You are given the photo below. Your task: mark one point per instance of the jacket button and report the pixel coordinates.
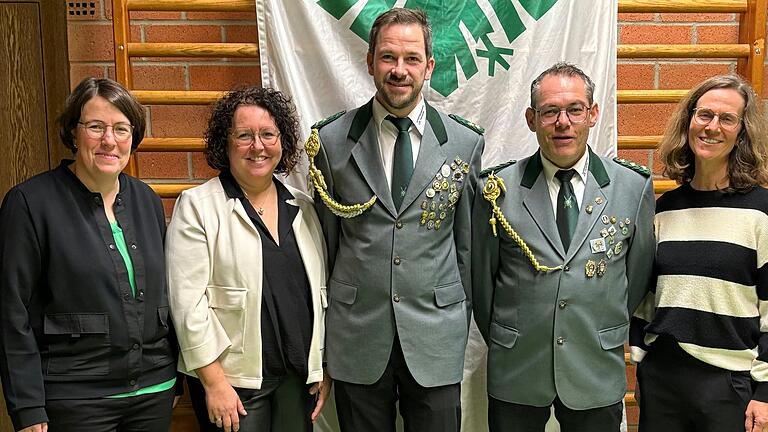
(399, 224)
(111, 246)
(141, 294)
(135, 346)
(97, 200)
(562, 304)
(132, 382)
(566, 268)
(396, 298)
(560, 340)
(133, 246)
(396, 260)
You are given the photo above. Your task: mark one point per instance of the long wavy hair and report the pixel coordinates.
(747, 160)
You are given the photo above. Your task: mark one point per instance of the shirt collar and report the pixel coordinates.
(581, 166)
(418, 115)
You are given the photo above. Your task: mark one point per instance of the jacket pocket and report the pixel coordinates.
(158, 349)
(613, 337)
(504, 336)
(342, 292)
(449, 294)
(228, 304)
(77, 344)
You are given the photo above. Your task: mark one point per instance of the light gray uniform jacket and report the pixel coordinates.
(562, 333)
(392, 275)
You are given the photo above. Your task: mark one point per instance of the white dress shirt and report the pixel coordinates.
(387, 133)
(578, 181)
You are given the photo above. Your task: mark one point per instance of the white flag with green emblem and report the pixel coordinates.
(487, 52)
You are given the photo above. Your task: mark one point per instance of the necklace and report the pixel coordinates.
(259, 207)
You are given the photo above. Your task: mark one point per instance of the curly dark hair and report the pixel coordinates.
(747, 162)
(110, 90)
(279, 107)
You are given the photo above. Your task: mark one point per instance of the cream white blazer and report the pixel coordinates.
(214, 265)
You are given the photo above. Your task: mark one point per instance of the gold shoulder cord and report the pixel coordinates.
(494, 186)
(316, 178)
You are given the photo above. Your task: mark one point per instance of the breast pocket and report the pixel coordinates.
(228, 304)
(77, 344)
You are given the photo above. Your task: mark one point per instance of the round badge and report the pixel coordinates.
(445, 170)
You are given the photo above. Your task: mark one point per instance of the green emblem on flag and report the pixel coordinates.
(449, 44)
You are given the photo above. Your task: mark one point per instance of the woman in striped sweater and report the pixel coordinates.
(701, 338)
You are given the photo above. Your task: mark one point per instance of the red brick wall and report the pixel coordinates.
(91, 53)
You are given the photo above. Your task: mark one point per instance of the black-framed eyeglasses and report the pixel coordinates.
(576, 113)
(704, 116)
(245, 137)
(96, 129)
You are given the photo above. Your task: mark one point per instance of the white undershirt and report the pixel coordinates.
(578, 181)
(387, 133)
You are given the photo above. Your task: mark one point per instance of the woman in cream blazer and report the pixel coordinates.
(246, 271)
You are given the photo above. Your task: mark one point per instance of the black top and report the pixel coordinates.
(286, 306)
(69, 326)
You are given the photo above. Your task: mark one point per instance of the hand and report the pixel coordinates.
(40, 427)
(757, 417)
(224, 405)
(321, 390)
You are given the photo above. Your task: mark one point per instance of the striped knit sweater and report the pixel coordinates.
(711, 293)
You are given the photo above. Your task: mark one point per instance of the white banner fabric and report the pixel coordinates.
(487, 53)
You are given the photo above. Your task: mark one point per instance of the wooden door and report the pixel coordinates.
(34, 81)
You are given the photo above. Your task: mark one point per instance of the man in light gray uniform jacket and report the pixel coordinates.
(556, 274)
(399, 244)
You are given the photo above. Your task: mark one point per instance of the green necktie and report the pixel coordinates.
(402, 165)
(567, 207)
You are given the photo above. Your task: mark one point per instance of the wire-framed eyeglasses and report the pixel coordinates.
(704, 116)
(576, 113)
(96, 129)
(245, 137)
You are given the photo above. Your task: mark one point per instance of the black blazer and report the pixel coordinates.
(69, 324)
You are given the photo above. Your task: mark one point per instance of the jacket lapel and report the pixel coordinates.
(368, 157)
(538, 204)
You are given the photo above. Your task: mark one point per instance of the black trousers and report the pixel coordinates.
(680, 393)
(144, 413)
(281, 405)
(511, 417)
(371, 408)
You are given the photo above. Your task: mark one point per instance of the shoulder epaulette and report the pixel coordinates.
(327, 120)
(641, 169)
(467, 123)
(497, 168)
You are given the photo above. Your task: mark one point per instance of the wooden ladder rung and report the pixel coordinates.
(192, 5)
(682, 6)
(629, 51)
(166, 49)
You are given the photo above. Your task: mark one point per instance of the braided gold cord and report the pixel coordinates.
(492, 190)
(312, 148)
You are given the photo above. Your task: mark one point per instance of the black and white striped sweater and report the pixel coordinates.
(711, 293)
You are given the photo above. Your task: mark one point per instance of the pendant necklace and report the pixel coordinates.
(259, 207)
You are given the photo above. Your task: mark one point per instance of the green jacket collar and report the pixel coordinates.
(534, 168)
(365, 113)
